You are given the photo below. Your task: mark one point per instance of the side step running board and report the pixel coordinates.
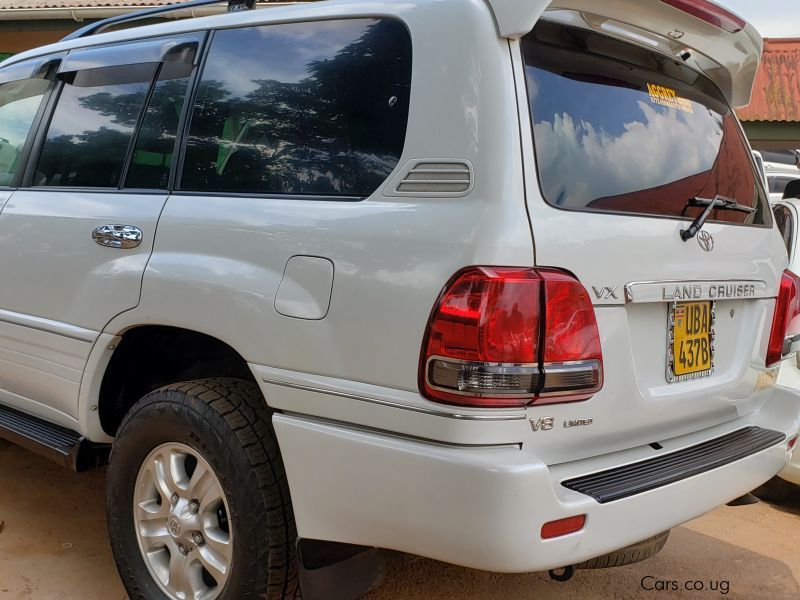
(62, 445)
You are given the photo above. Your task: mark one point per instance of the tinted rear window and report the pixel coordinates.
(624, 130)
(153, 153)
(92, 126)
(309, 108)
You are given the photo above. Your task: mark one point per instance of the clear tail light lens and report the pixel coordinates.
(501, 337)
(710, 13)
(786, 322)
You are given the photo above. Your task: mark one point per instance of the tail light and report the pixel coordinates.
(502, 337)
(786, 322)
(710, 13)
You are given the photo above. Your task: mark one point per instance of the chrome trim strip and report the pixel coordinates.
(521, 416)
(48, 326)
(656, 291)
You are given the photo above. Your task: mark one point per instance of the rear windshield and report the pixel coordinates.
(621, 129)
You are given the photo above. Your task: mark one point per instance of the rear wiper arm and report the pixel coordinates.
(711, 205)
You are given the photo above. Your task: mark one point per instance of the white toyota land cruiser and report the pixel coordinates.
(489, 281)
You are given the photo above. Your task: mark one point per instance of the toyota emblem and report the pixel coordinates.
(706, 241)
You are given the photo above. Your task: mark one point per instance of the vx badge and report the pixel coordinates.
(605, 293)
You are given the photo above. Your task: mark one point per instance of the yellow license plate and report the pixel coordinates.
(691, 340)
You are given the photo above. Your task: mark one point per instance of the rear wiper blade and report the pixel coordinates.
(720, 202)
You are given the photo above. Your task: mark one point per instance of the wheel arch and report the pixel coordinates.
(141, 358)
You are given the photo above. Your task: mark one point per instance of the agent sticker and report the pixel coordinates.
(668, 97)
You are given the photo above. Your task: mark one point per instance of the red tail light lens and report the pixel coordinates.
(710, 13)
(786, 322)
(503, 337)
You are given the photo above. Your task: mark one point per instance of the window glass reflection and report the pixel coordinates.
(91, 129)
(155, 144)
(618, 129)
(19, 103)
(310, 108)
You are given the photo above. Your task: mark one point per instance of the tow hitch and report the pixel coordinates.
(562, 575)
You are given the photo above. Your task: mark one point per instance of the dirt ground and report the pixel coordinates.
(53, 546)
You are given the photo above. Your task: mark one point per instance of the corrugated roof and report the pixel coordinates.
(44, 4)
(31, 4)
(776, 94)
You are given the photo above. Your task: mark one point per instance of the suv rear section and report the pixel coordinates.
(625, 344)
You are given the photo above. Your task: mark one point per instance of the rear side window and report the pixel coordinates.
(92, 126)
(310, 108)
(619, 129)
(155, 143)
(19, 103)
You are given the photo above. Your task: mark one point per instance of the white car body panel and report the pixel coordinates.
(790, 378)
(789, 375)
(392, 468)
(483, 507)
(66, 287)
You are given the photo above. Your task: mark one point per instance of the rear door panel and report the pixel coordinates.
(62, 283)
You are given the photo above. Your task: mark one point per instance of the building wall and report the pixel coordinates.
(18, 36)
(12, 42)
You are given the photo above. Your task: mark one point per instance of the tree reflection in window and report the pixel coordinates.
(311, 108)
(621, 129)
(88, 137)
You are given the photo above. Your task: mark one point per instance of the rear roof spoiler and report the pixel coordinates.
(730, 60)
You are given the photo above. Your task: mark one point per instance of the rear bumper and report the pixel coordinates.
(483, 507)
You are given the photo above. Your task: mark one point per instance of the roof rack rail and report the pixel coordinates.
(100, 26)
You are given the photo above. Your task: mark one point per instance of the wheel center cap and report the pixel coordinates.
(174, 526)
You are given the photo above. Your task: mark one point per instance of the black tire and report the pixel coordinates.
(627, 556)
(228, 423)
(775, 490)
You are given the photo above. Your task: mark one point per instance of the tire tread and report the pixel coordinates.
(234, 411)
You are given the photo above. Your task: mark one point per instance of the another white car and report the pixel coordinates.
(488, 281)
(787, 215)
(778, 183)
(781, 169)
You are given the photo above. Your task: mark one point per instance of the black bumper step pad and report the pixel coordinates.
(629, 480)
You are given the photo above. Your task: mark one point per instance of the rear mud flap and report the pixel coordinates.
(333, 571)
